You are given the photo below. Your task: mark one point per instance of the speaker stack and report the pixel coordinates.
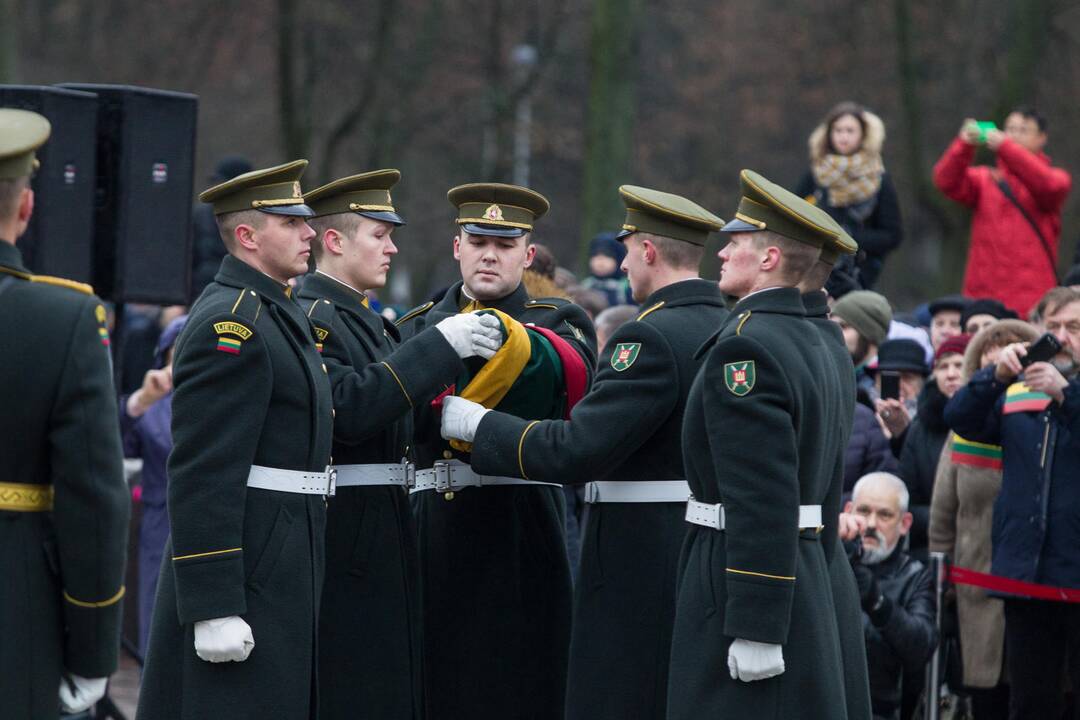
(145, 174)
(60, 237)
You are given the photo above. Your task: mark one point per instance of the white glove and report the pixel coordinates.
(460, 418)
(749, 660)
(78, 693)
(472, 334)
(227, 639)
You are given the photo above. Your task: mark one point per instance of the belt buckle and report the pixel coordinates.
(410, 474)
(441, 469)
(331, 481)
(592, 494)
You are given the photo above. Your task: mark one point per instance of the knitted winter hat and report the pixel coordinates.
(866, 311)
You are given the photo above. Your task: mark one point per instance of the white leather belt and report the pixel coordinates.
(305, 482)
(451, 475)
(712, 515)
(645, 491)
(402, 474)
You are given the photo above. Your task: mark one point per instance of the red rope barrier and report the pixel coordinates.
(963, 576)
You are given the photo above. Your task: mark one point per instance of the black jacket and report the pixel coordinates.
(901, 635)
(878, 233)
(919, 459)
(867, 449)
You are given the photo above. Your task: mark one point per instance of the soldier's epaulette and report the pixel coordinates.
(414, 312)
(651, 309)
(321, 314)
(247, 305)
(743, 317)
(546, 303)
(63, 282)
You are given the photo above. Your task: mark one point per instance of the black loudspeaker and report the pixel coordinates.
(145, 173)
(60, 237)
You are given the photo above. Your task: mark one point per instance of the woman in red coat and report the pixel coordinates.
(1008, 259)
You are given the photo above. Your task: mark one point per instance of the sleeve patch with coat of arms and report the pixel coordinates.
(624, 355)
(740, 377)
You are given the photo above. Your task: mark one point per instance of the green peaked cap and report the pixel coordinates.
(767, 206)
(497, 208)
(21, 133)
(274, 190)
(665, 214)
(367, 193)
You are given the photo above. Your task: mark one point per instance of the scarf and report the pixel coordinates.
(850, 179)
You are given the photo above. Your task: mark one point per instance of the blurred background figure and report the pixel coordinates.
(206, 246)
(1016, 207)
(610, 320)
(961, 512)
(896, 594)
(605, 272)
(847, 179)
(146, 422)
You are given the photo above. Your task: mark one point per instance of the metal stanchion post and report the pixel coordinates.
(933, 668)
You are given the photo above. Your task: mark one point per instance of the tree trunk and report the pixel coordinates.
(610, 121)
(928, 201)
(292, 104)
(9, 36)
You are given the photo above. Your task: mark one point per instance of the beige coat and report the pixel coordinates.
(961, 519)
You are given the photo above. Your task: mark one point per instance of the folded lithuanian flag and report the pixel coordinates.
(536, 375)
(975, 454)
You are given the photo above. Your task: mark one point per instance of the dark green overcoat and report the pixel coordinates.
(250, 388)
(370, 636)
(755, 438)
(494, 570)
(628, 428)
(845, 592)
(62, 571)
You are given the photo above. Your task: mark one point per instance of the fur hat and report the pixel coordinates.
(1025, 332)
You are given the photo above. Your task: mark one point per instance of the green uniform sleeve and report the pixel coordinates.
(755, 455)
(368, 398)
(91, 505)
(220, 399)
(615, 417)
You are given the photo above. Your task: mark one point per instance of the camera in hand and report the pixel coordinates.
(1042, 350)
(890, 385)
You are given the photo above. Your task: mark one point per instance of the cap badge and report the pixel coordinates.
(297, 192)
(740, 377)
(494, 212)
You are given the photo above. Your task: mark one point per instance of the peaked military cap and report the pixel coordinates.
(366, 194)
(661, 213)
(273, 190)
(767, 206)
(21, 133)
(497, 209)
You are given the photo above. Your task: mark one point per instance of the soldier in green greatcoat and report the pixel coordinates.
(370, 625)
(623, 442)
(234, 627)
(755, 625)
(494, 570)
(840, 388)
(64, 505)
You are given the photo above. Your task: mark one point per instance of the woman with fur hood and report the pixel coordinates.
(961, 515)
(847, 179)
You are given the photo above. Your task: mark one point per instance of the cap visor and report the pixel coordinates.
(299, 210)
(384, 216)
(736, 225)
(624, 233)
(495, 230)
